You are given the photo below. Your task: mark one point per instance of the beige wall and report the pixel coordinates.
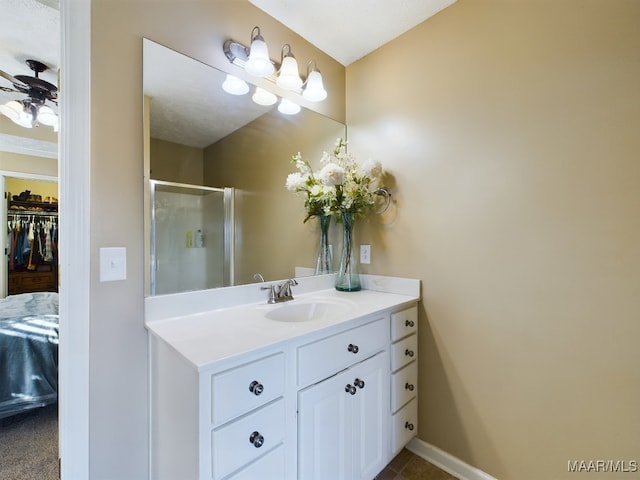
(173, 162)
(118, 443)
(16, 162)
(514, 148)
(271, 237)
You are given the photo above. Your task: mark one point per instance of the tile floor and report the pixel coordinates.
(408, 466)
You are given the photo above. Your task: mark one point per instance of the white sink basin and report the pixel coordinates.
(307, 311)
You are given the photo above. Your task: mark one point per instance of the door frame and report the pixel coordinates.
(74, 174)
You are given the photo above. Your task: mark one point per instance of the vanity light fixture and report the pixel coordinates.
(235, 86)
(259, 63)
(255, 60)
(288, 76)
(314, 89)
(264, 97)
(288, 107)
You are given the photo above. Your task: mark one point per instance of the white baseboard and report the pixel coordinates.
(446, 462)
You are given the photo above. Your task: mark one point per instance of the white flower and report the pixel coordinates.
(296, 181)
(331, 174)
(372, 168)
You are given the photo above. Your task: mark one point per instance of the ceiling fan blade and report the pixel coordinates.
(17, 83)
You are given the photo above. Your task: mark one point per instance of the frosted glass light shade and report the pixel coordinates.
(264, 97)
(12, 110)
(289, 78)
(47, 116)
(234, 85)
(288, 107)
(259, 63)
(314, 91)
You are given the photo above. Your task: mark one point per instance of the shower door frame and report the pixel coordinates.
(228, 226)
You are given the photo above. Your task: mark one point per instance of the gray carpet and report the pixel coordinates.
(29, 445)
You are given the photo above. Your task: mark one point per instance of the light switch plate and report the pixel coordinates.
(365, 254)
(113, 264)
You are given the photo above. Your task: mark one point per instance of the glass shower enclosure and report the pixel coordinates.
(192, 229)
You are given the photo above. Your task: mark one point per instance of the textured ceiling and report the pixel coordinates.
(349, 30)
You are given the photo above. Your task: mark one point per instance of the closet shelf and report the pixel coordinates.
(20, 207)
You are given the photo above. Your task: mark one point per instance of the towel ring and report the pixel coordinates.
(382, 191)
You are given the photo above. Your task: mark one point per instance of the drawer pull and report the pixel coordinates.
(256, 439)
(358, 383)
(409, 386)
(353, 348)
(350, 389)
(409, 323)
(408, 426)
(408, 353)
(256, 387)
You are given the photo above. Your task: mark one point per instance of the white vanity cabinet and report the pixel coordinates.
(334, 400)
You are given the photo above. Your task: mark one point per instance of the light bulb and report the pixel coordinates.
(259, 62)
(234, 85)
(314, 90)
(264, 97)
(289, 78)
(288, 107)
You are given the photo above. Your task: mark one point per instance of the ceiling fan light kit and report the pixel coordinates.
(32, 110)
(255, 60)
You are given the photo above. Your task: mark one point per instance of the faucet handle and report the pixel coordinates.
(272, 292)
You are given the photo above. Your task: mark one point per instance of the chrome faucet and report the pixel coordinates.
(280, 293)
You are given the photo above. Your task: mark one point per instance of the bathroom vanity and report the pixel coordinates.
(320, 387)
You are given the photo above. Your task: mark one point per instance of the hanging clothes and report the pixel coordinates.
(32, 241)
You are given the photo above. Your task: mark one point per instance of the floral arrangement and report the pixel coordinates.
(341, 185)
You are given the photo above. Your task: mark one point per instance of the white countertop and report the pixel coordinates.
(207, 337)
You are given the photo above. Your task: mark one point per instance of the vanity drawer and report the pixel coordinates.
(404, 322)
(325, 357)
(241, 389)
(404, 385)
(403, 352)
(404, 426)
(248, 438)
(272, 465)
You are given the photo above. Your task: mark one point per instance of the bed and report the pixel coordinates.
(28, 352)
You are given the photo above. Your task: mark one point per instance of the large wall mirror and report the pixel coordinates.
(201, 136)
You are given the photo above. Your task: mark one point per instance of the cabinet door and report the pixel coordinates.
(370, 417)
(343, 424)
(324, 436)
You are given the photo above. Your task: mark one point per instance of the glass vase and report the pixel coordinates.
(324, 260)
(348, 278)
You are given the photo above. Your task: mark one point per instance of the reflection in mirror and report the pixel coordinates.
(202, 136)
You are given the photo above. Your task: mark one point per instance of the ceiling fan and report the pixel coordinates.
(32, 110)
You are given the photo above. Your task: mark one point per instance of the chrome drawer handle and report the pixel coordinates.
(256, 387)
(350, 389)
(409, 323)
(408, 353)
(353, 348)
(409, 386)
(256, 439)
(358, 383)
(409, 426)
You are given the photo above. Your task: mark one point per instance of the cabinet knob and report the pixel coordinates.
(353, 348)
(350, 389)
(409, 323)
(256, 387)
(408, 353)
(358, 383)
(408, 426)
(409, 386)
(256, 439)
